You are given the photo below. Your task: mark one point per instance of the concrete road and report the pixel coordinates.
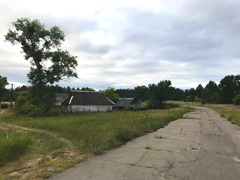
(200, 146)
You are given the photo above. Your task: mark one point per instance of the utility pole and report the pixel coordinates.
(11, 98)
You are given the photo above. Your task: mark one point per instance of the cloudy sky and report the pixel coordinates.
(126, 43)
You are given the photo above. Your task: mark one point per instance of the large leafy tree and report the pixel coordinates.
(42, 48)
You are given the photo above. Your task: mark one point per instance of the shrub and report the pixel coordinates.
(236, 100)
(56, 111)
(12, 146)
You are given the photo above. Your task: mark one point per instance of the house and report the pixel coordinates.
(59, 98)
(86, 101)
(129, 103)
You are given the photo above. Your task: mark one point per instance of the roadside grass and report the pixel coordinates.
(61, 142)
(13, 145)
(97, 132)
(230, 112)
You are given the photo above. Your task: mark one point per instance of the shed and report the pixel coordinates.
(131, 103)
(86, 101)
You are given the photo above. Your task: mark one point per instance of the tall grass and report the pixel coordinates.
(99, 131)
(230, 112)
(12, 146)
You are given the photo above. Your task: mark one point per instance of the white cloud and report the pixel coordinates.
(128, 43)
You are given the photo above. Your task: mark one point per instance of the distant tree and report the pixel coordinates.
(236, 100)
(159, 93)
(3, 83)
(229, 87)
(111, 94)
(125, 93)
(199, 91)
(176, 94)
(87, 89)
(49, 63)
(141, 93)
(211, 93)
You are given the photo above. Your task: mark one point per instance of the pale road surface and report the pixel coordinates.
(200, 146)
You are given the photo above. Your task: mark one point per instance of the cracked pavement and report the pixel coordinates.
(202, 146)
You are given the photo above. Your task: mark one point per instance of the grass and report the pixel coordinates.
(230, 112)
(99, 131)
(12, 146)
(60, 142)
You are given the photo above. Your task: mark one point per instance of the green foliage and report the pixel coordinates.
(236, 100)
(158, 93)
(3, 83)
(211, 93)
(189, 98)
(56, 111)
(12, 146)
(229, 88)
(111, 94)
(87, 89)
(141, 93)
(49, 63)
(40, 46)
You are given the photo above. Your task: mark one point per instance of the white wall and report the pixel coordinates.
(86, 108)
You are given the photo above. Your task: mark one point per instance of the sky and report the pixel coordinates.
(129, 43)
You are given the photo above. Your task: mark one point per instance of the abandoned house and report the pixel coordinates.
(86, 101)
(128, 103)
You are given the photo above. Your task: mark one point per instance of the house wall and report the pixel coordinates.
(86, 108)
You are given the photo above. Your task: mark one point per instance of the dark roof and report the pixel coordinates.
(60, 97)
(87, 98)
(126, 102)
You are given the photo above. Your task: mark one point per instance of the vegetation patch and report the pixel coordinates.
(13, 145)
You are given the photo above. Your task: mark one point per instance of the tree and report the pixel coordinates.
(111, 94)
(3, 83)
(211, 93)
(159, 93)
(199, 91)
(229, 87)
(141, 93)
(236, 100)
(49, 63)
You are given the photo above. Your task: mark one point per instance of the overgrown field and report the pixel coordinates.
(78, 136)
(99, 131)
(230, 112)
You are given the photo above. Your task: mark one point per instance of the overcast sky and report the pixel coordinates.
(126, 43)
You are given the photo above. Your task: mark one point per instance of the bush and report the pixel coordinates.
(12, 146)
(54, 112)
(236, 100)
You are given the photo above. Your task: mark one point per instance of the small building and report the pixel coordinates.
(86, 101)
(60, 97)
(128, 103)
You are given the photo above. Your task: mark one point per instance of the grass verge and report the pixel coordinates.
(230, 112)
